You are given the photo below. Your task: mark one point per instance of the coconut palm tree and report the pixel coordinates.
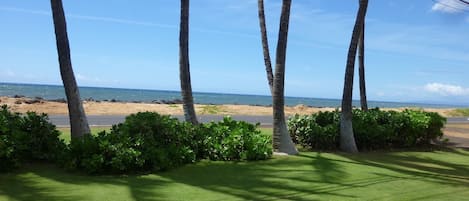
(347, 140)
(265, 45)
(78, 122)
(184, 70)
(282, 140)
(361, 69)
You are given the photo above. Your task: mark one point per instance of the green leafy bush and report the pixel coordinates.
(26, 138)
(146, 141)
(373, 129)
(43, 142)
(9, 128)
(106, 153)
(164, 141)
(230, 140)
(315, 131)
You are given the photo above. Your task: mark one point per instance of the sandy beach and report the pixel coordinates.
(24, 104)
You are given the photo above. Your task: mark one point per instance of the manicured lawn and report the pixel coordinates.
(416, 175)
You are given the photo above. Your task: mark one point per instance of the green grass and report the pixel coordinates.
(66, 131)
(211, 109)
(417, 175)
(266, 131)
(414, 175)
(460, 112)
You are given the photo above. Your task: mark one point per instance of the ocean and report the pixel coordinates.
(50, 92)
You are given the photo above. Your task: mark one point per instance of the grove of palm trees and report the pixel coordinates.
(187, 149)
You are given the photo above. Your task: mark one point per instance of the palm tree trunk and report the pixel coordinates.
(78, 122)
(184, 70)
(347, 140)
(361, 69)
(282, 140)
(265, 45)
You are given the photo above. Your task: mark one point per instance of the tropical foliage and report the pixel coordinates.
(27, 137)
(146, 141)
(373, 129)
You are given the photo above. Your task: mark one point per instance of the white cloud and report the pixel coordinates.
(446, 89)
(7, 73)
(84, 78)
(81, 77)
(10, 73)
(449, 6)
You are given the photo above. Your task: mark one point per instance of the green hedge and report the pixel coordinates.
(235, 140)
(148, 141)
(27, 137)
(373, 129)
(144, 142)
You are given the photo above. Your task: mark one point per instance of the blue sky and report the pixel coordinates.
(415, 50)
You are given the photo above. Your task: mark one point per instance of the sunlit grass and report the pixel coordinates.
(210, 109)
(460, 112)
(266, 131)
(65, 131)
(432, 175)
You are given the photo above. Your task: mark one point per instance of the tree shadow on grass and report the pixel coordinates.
(305, 177)
(413, 166)
(275, 179)
(309, 176)
(23, 185)
(49, 183)
(267, 180)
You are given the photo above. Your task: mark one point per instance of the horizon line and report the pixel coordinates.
(205, 92)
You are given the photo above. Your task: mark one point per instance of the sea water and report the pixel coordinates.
(50, 92)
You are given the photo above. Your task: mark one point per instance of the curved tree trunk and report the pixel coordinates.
(184, 70)
(265, 45)
(78, 122)
(282, 140)
(347, 140)
(361, 69)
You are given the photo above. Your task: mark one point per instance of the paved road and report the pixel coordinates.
(455, 120)
(99, 120)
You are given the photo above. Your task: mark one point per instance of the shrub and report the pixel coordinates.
(42, 138)
(106, 152)
(27, 137)
(230, 140)
(164, 141)
(145, 141)
(9, 128)
(319, 131)
(148, 141)
(373, 129)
